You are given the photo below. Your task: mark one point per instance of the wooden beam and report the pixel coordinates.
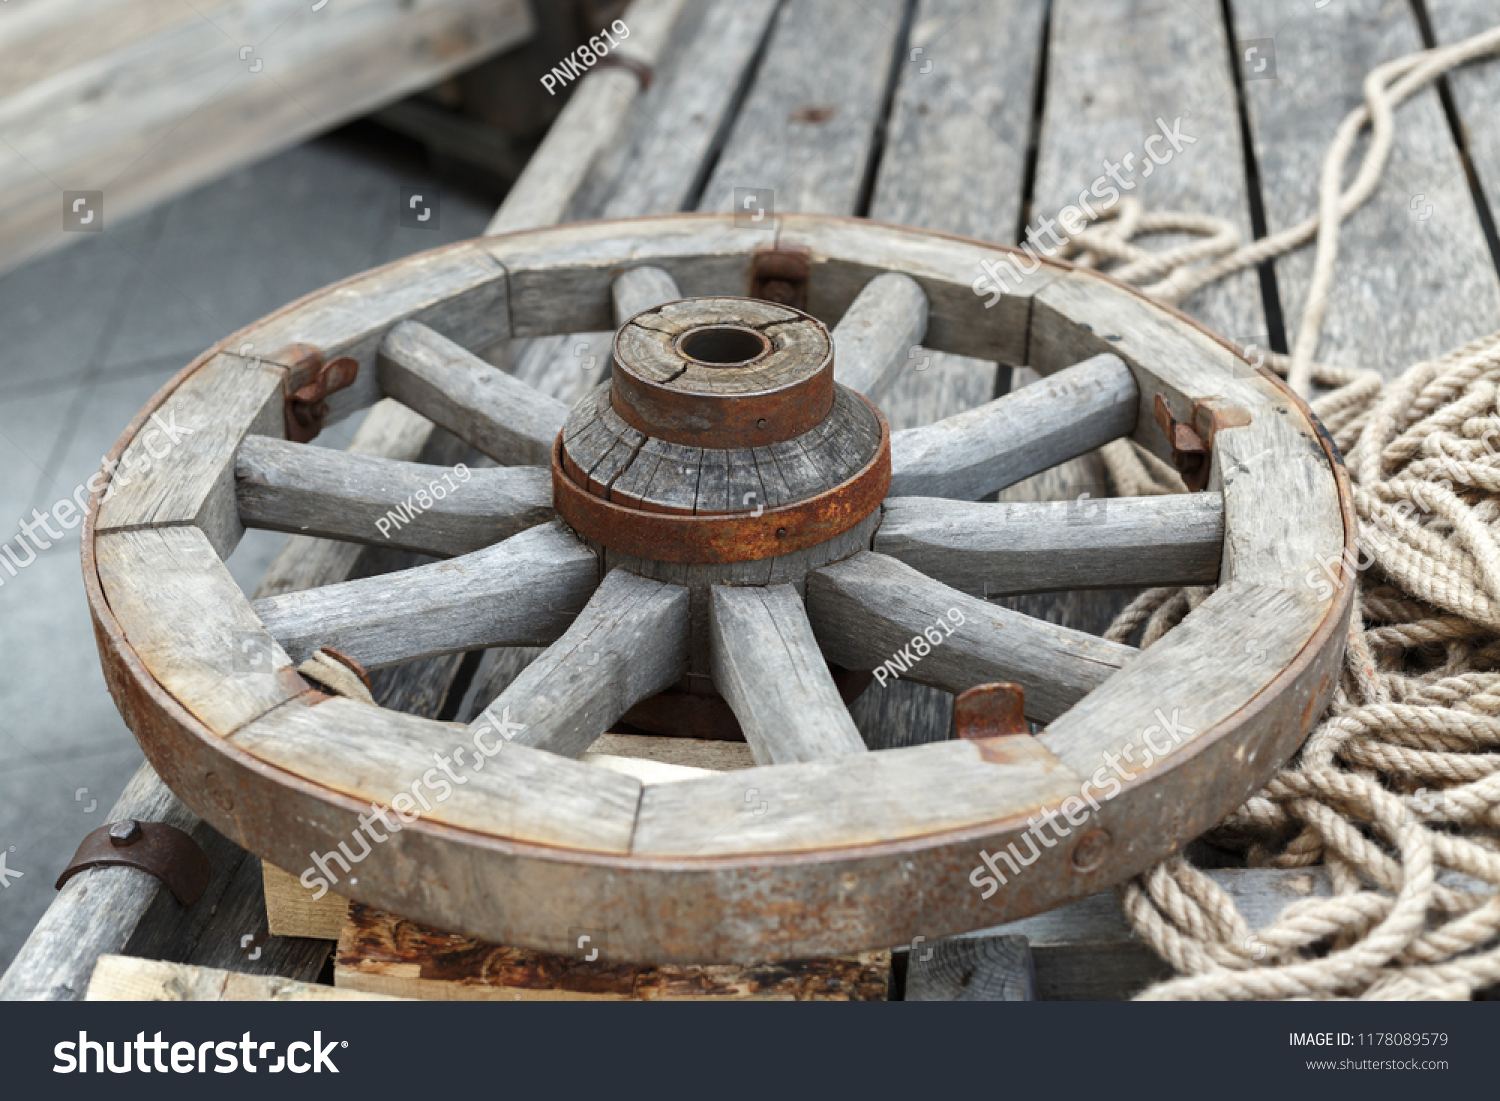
(297, 488)
(976, 452)
(1045, 546)
(522, 592)
(766, 663)
(628, 642)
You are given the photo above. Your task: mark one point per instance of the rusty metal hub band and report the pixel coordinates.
(722, 372)
(732, 537)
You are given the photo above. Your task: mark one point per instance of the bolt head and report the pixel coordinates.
(1089, 853)
(127, 832)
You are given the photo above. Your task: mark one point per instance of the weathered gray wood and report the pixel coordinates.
(879, 334)
(126, 979)
(766, 663)
(588, 126)
(1193, 678)
(979, 451)
(1476, 89)
(313, 490)
(459, 291)
(629, 642)
(869, 610)
(1282, 524)
(1115, 68)
(807, 128)
(371, 754)
(1444, 291)
(1044, 546)
(642, 289)
(391, 431)
(192, 626)
(190, 480)
(506, 419)
(522, 592)
(97, 911)
(955, 160)
(154, 100)
(849, 800)
(971, 969)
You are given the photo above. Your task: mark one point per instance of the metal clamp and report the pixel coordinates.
(780, 275)
(309, 381)
(153, 847)
(991, 711)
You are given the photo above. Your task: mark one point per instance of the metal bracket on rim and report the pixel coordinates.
(309, 381)
(780, 275)
(153, 847)
(1192, 444)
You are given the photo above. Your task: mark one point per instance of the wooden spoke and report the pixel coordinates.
(641, 289)
(875, 337)
(522, 592)
(970, 454)
(767, 665)
(1047, 546)
(308, 490)
(482, 405)
(869, 612)
(629, 642)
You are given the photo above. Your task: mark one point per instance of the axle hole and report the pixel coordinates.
(723, 345)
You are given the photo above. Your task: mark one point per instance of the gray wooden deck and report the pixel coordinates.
(983, 117)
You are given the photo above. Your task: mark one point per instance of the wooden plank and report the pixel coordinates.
(1044, 546)
(199, 428)
(386, 757)
(877, 335)
(381, 952)
(692, 752)
(522, 592)
(628, 642)
(807, 128)
(126, 979)
(1475, 89)
(1198, 675)
(339, 495)
(872, 612)
(160, 101)
(1382, 312)
(851, 800)
(766, 663)
(1117, 74)
(971, 969)
(192, 626)
(293, 911)
(589, 125)
(507, 420)
(973, 453)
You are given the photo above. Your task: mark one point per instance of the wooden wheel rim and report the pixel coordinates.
(803, 881)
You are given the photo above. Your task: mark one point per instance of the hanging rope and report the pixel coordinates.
(1401, 781)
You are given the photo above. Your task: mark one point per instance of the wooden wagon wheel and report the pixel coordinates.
(727, 527)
